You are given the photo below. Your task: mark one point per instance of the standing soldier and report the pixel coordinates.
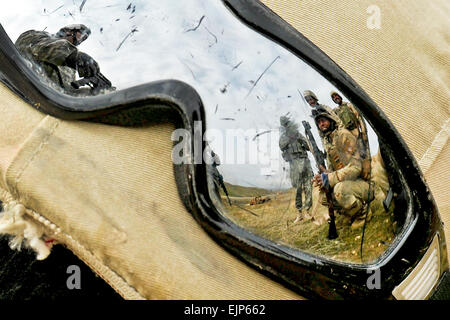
(294, 149)
(353, 122)
(57, 54)
(349, 189)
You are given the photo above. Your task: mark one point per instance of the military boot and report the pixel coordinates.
(306, 215)
(299, 216)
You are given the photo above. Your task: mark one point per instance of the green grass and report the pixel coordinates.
(241, 191)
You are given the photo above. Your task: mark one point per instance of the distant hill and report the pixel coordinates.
(241, 191)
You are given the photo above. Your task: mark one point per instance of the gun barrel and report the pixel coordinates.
(318, 155)
(80, 83)
(320, 161)
(96, 82)
(104, 79)
(332, 231)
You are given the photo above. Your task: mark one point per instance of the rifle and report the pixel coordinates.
(319, 156)
(320, 162)
(222, 185)
(96, 82)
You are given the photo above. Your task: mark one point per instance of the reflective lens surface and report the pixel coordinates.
(289, 157)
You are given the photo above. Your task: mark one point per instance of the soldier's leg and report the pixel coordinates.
(307, 187)
(319, 212)
(298, 198)
(307, 201)
(298, 204)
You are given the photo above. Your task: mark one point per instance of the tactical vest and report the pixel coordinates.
(347, 117)
(340, 155)
(335, 159)
(296, 150)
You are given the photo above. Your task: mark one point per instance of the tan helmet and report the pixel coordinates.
(332, 93)
(334, 119)
(309, 93)
(323, 114)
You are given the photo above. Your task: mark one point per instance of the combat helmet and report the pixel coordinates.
(72, 29)
(332, 93)
(308, 93)
(284, 120)
(334, 120)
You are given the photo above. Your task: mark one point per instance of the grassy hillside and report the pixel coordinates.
(241, 191)
(273, 220)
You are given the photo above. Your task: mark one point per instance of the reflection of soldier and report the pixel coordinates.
(317, 108)
(294, 149)
(353, 122)
(57, 54)
(217, 177)
(350, 191)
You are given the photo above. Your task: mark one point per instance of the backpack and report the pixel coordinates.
(347, 117)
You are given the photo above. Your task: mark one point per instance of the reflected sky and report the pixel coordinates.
(245, 81)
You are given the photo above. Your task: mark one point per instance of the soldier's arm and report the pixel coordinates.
(283, 143)
(304, 142)
(361, 124)
(349, 150)
(54, 51)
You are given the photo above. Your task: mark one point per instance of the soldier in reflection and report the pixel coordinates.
(350, 190)
(353, 122)
(294, 147)
(317, 108)
(217, 178)
(57, 54)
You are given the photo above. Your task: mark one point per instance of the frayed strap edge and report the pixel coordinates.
(26, 232)
(16, 217)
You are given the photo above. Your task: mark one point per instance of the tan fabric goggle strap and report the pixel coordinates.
(28, 228)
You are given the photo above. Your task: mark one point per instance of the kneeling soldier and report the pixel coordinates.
(344, 175)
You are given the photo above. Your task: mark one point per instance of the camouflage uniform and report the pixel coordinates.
(48, 52)
(352, 121)
(350, 191)
(294, 149)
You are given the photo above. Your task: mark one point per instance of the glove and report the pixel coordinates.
(325, 181)
(86, 66)
(83, 63)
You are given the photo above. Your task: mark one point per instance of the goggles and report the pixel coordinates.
(238, 69)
